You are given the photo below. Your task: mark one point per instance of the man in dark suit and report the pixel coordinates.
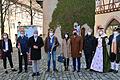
(35, 43)
(22, 50)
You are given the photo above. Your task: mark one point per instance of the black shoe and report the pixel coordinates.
(6, 72)
(26, 71)
(111, 70)
(74, 70)
(65, 69)
(78, 71)
(38, 74)
(115, 71)
(47, 70)
(55, 70)
(34, 74)
(14, 70)
(86, 68)
(19, 72)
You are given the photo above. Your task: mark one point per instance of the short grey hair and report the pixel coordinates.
(36, 31)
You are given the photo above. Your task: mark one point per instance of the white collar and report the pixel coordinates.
(103, 35)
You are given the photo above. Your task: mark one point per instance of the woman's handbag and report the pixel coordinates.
(61, 58)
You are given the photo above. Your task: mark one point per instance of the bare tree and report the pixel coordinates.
(4, 6)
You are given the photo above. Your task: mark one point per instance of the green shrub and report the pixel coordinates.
(70, 11)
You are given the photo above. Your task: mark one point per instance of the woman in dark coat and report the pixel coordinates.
(7, 50)
(35, 43)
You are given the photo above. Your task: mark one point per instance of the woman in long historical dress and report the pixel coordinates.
(101, 62)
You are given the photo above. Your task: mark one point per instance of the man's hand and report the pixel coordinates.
(80, 52)
(4, 50)
(36, 47)
(19, 47)
(27, 53)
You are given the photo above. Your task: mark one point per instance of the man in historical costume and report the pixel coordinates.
(101, 62)
(76, 49)
(89, 48)
(114, 42)
(51, 43)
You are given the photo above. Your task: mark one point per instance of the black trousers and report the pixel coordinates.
(115, 57)
(9, 56)
(88, 59)
(21, 57)
(78, 62)
(66, 62)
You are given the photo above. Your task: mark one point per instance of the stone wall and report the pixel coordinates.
(48, 8)
(105, 19)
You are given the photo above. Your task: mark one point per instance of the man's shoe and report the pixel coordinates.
(55, 70)
(111, 70)
(6, 72)
(34, 74)
(47, 70)
(38, 74)
(115, 71)
(86, 68)
(19, 72)
(74, 70)
(65, 69)
(26, 71)
(78, 71)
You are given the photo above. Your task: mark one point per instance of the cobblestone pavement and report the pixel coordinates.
(61, 75)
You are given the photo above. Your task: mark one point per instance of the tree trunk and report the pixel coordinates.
(31, 14)
(2, 21)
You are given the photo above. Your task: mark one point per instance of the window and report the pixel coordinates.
(98, 3)
(117, 0)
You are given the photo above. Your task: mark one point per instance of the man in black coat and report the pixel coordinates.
(35, 43)
(89, 48)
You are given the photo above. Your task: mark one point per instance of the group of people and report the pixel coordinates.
(95, 50)
(102, 53)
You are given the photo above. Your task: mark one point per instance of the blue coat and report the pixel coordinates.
(23, 43)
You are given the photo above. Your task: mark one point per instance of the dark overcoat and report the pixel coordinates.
(35, 53)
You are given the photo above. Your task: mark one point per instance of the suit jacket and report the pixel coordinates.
(10, 49)
(35, 53)
(89, 44)
(23, 43)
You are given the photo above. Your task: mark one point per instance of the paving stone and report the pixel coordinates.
(61, 75)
